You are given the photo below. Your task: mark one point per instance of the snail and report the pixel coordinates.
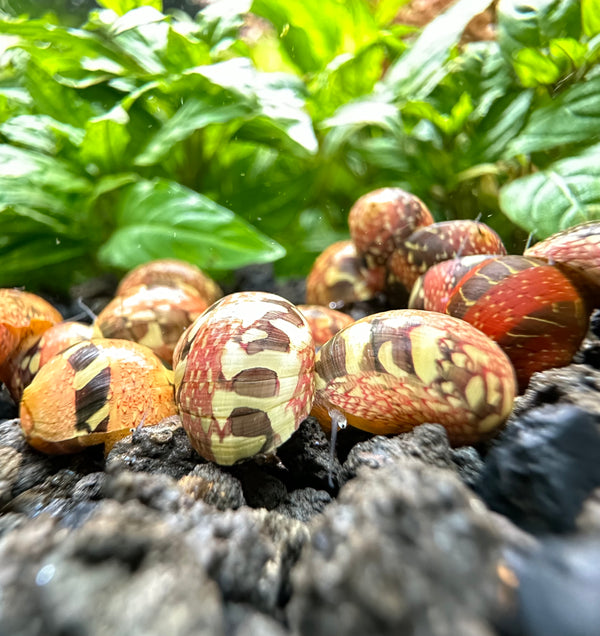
(338, 278)
(22, 314)
(439, 242)
(172, 273)
(537, 311)
(95, 392)
(35, 351)
(244, 376)
(324, 322)
(393, 370)
(154, 316)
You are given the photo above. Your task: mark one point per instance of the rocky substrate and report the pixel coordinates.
(400, 535)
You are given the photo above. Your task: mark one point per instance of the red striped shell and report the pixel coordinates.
(244, 376)
(393, 370)
(324, 322)
(534, 310)
(439, 242)
(95, 392)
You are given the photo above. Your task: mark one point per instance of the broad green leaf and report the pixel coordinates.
(590, 17)
(196, 113)
(534, 68)
(448, 124)
(535, 22)
(164, 219)
(420, 69)
(40, 132)
(566, 193)
(222, 19)
(123, 6)
(106, 140)
(387, 10)
(572, 117)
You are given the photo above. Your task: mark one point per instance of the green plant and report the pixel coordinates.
(139, 135)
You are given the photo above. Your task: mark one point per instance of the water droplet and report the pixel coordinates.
(45, 574)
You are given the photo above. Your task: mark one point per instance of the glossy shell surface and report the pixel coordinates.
(324, 322)
(22, 314)
(533, 309)
(338, 277)
(391, 371)
(154, 316)
(244, 376)
(95, 392)
(35, 351)
(172, 273)
(439, 242)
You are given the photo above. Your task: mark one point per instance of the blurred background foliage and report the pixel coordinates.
(241, 131)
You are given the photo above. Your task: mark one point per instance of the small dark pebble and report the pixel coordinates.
(212, 485)
(543, 467)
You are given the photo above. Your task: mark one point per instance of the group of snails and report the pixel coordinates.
(243, 371)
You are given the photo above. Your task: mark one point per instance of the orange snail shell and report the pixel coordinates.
(244, 376)
(324, 322)
(391, 371)
(95, 392)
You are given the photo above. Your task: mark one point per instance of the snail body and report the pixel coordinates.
(244, 376)
(391, 371)
(95, 392)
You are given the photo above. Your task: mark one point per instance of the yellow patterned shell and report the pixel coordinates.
(244, 376)
(393, 370)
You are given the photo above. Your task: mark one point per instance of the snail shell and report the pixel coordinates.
(244, 376)
(95, 392)
(324, 322)
(393, 370)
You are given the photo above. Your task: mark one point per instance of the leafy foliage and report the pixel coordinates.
(247, 132)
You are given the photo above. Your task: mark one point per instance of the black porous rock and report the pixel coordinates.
(164, 448)
(124, 572)
(209, 483)
(8, 409)
(543, 467)
(406, 549)
(243, 620)
(555, 590)
(588, 522)
(304, 503)
(307, 457)
(469, 464)
(577, 384)
(261, 488)
(428, 443)
(248, 552)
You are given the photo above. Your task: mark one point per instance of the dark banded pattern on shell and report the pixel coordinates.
(432, 289)
(21, 315)
(393, 370)
(95, 392)
(35, 351)
(171, 272)
(338, 277)
(533, 309)
(244, 376)
(324, 322)
(439, 242)
(154, 316)
(579, 247)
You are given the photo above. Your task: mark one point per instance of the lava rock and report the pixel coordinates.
(261, 489)
(555, 590)
(157, 491)
(305, 503)
(588, 521)
(8, 409)
(405, 549)
(427, 443)
(543, 467)
(469, 464)
(307, 457)
(164, 448)
(209, 483)
(124, 572)
(244, 620)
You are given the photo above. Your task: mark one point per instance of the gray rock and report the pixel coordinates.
(123, 573)
(406, 549)
(261, 488)
(469, 464)
(163, 448)
(428, 443)
(305, 503)
(244, 620)
(209, 483)
(157, 491)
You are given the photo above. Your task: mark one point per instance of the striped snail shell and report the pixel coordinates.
(244, 376)
(171, 272)
(95, 392)
(22, 314)
(391, 371)
(324, 322)
(536, 311)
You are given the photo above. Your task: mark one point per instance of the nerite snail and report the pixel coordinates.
(391, 371)
(244, 376)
